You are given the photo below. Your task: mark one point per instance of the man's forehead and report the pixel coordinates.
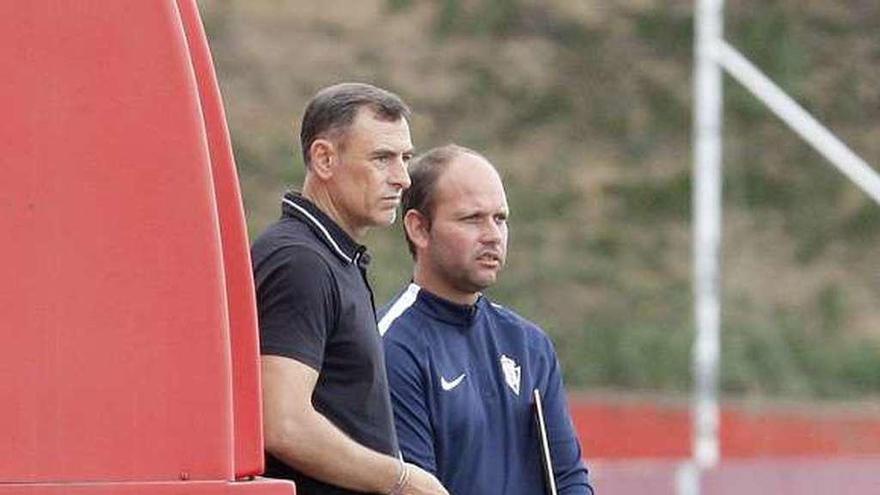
(477, 206)
(381, 132)
(473, 188)
(367, 116)
(472, 171)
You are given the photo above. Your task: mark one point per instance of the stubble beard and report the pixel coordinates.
(470, 282)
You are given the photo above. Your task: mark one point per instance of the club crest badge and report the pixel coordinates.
(511, 372)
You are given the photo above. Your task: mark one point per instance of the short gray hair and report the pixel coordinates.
(332, 110)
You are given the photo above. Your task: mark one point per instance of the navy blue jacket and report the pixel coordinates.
(461, 380)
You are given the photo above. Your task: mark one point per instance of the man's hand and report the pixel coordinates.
(304, 439)
(422, 482)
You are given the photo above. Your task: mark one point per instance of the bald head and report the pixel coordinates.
(455, 220)
(425, 173)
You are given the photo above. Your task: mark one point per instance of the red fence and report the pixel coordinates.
(636, 446)
(615, 428)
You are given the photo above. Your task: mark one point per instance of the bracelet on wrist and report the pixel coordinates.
(402, 479)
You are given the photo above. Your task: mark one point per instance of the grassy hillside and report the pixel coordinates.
(585, 107)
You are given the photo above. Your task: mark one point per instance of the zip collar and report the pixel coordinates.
(442, 309)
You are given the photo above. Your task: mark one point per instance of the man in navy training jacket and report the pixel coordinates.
(326, 410)
(461, 368)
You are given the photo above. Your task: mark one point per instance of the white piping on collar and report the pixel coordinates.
(400, 305)
(320, 227)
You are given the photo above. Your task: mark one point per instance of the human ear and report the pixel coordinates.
(417, 228)
(323, 158)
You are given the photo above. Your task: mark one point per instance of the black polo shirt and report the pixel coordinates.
(316, 306)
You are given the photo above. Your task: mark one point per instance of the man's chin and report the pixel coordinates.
(385, 220)
(483, 283)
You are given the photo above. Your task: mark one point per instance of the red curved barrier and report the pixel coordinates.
(114, 325)
(236, 256)
(129, 361)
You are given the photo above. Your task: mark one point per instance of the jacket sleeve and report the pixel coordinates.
(565, 450)
(409, 398)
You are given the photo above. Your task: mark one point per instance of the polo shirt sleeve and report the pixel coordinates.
(296, 305)
(568, 466)
(412, 420)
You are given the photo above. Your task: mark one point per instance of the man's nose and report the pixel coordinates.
(399, 175)
(492, 232)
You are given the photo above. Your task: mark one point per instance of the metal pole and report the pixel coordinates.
(800, 121)
(706, 203)
(712, 54)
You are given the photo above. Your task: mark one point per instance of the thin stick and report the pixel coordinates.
(546, 462)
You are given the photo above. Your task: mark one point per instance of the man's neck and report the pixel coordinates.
(322, 198)
(425, 280)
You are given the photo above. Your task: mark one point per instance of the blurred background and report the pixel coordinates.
(585, 107)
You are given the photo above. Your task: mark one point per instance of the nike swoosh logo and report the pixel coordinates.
(449, 385)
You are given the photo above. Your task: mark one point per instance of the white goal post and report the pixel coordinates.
(713, 56)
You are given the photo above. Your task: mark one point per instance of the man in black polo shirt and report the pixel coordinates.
(326, 410)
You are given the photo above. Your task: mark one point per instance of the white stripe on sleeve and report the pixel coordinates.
(400, 305)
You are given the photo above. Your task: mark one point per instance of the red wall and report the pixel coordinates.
(615, 428)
